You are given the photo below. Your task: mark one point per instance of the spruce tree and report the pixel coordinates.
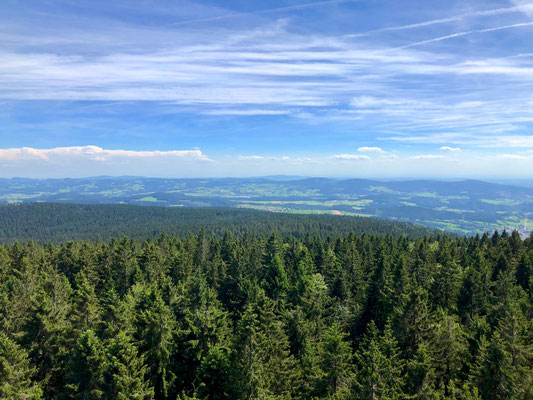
(127, 372)
(379, 366)
(16, 373)
(85, 311)
(155, 326)
(86, 368)
(263, 359)
(448, 350)
(336, 363)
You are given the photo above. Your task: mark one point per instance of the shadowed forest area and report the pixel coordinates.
(45, 222)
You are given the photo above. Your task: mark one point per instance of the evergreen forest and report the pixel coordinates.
(56, 222)
(207, 316)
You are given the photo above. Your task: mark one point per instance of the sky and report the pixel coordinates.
(340, 88)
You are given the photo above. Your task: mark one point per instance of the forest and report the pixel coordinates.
(207, 316)
(44, 222)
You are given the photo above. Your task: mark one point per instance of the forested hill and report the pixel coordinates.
(211, 318)
(49, 222)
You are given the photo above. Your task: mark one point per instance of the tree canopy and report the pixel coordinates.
(211, 316)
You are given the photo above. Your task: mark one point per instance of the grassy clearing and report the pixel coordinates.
(500, 202)
(426, 194)
(151, 199)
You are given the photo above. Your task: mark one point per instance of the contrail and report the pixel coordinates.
(455, 18)
(465, 33)
(265, 11)
(506, 27)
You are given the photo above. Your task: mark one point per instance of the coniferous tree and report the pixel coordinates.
(276, 280)
(420, 378)
(336, 363)
(16, 373)
(215, 374)
(127, 371)
(524, 271)
(448, 350)
(155, 326)
(86, 368)
(267, 368)
(493, 374)
(240, 317)
(85, 310)
(379, 366)
(446, 281)
(47, 332)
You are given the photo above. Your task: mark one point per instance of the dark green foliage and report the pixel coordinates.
(16, 372)
(379, 365)
(127, 371)
(336, 363)
(274, 316)
(86, 368)
(52, 222)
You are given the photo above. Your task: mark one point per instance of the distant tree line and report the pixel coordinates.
(242, 317)
(54, 222)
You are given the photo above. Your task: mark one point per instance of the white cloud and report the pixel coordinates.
(525, 6)
(370, 102)
(370, 150)
(251, 158)
(427, 157)
(350, 157)
(487, 137)
(233, 15)
(270, 69)
(93, 153)
(269, 159)
(242, 67)
(246, 112)
(450, 149)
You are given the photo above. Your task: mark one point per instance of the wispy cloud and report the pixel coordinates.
(450, 149)
(244, 69)
(367, 149)
(245, 112)
(242, 158)
(281, 79)
(427, 157)
(269, 159)
(262, 11)
(350, 157)
(482, 140)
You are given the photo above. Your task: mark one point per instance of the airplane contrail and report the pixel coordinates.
(455, 18)
(264, 11)
(465, 33)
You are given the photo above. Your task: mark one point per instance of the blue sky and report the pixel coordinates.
(381, 89)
